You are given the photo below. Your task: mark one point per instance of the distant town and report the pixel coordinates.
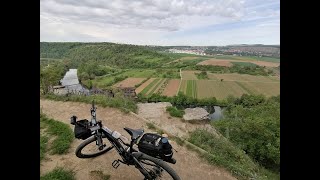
(236, 50)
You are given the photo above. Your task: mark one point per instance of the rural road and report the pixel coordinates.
(189, 165)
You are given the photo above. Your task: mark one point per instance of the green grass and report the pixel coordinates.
(62, 133)
(245, 64)
(146, 89)
(43, 146)
(195, 89)
(189, 88)
(122, 103)
(173, 111)
(139, 73)
(59, 174)
(100, 175)
(224, 153)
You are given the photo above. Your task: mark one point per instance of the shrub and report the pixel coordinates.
(173, 111)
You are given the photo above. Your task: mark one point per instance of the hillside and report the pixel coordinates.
(117, 55)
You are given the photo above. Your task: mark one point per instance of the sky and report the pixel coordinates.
(161, 22)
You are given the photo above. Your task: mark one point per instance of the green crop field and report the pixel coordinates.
(232, 84)
(156, 86)
(183, 86)
(189, 87)
(146, 89)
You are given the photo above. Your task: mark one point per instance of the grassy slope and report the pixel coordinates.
(62, 133)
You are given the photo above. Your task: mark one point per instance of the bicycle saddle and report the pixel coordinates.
(134, 133)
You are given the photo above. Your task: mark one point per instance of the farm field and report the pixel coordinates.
(249, 58)
(215, 62)
(153, 85)
(156, 87)
(144, 85)
(219, 90)
(189, 75)
(229, 62)
(149, 86)
(268, 89)
(129, 82)
(172, 88)
(191, 88)
(242, 77)
(183, 86)
(233, 84)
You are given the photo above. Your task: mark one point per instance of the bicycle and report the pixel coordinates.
(151, 167)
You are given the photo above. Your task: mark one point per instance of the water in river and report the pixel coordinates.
(71, 82)
(216, 114)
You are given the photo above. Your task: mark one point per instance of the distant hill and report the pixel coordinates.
(119, 55)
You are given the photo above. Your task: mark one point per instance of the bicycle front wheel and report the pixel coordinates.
(89, 149)
(157, 168)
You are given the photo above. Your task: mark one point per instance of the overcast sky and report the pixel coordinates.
(161, 22)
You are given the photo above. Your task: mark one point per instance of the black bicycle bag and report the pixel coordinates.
(156, 146)
(81, 129)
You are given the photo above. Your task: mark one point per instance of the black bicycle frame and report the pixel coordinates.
(129, 157)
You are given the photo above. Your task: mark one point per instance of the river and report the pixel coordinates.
(71, 82)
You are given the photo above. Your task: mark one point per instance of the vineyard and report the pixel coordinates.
(219, 86)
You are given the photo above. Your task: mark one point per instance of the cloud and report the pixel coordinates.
(143, 21)
(152, 14)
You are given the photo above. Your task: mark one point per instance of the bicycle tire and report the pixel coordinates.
(91, 139)
(160, 163)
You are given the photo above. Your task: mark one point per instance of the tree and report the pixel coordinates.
(48, 78)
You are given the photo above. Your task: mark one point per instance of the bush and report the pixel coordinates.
(223, 153)
(202, 75)
(253, 124)
(173, 111)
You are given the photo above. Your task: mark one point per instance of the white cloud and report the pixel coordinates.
(137, 22)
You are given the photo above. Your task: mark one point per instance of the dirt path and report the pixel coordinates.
(156, 113)
(188, 166)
